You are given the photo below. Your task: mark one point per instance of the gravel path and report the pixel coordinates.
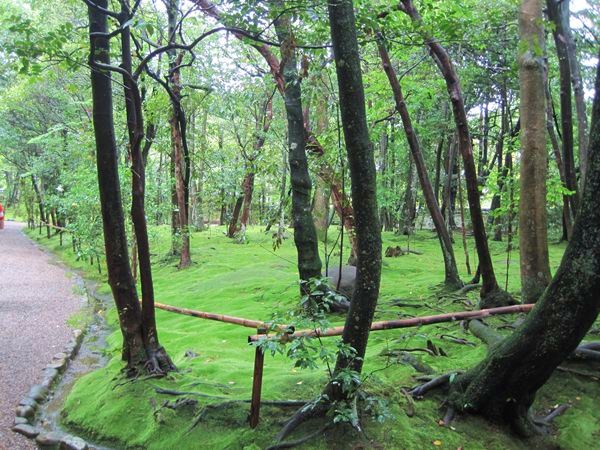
(36, 299)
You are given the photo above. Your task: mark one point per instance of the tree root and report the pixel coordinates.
(487, 334)
(496, 298)
(586, 354)
(309, 411)
(547, 420)
(437, 382)
(302, 440)
(449, 416)
(590, 346)
(467, 288)
(581, 373)
(455, 340)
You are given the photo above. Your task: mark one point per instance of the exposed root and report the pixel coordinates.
(410, 408)
(442, 380)
(590, 346)
(455, 340)
(581, 373)
(309, 411)
(302, 440)
(280, 403)
(546, 421)
(487, 334)
(467, 288)
(134, 379)
(496, 298)
(586, 354)
(449, 416)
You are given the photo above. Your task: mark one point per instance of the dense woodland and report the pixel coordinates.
(176, 145)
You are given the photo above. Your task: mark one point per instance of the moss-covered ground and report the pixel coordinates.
(251, 281)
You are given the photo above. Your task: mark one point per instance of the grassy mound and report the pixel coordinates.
(252, 281)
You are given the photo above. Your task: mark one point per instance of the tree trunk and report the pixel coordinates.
(248, 190)
(491, 294)
(157, 360)
(409, 202)
(533, 226)
(178, 123)
(119, 271)
(556, 13)
(320, 208)
(559, 14)
(567, 218)
(503, 386)
(364, 187)
(451, 271)
(305, 234)
(235, 216)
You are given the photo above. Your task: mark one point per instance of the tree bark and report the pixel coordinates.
(320, 208)
(559, 14)
(115, 240)
(452, 278)
(567, 219)
(491, 294)
(556, 13)
(305, 234)
(362, 173)
(533, 224)
(179, 151)
(503, 386)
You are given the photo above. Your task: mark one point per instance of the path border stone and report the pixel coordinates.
(25, 413)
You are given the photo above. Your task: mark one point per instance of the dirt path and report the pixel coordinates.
(36, 299)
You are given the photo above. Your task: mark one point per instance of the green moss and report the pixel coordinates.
(253, 282)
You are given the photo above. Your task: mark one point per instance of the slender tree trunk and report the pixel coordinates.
(451, 271)
(556, 14)
(438, 168)
(496, 219)
(503, 386)
(248, 190)
(558, 11)
(362, 173)
(491, 294)
(533, 224)
(235, 216)
(409, 202)
(115, 240)
(157, 360)
(567, 218)
(179, 151)
(305, 235)
(320, 207)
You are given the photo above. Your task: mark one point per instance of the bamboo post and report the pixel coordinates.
(259, 361)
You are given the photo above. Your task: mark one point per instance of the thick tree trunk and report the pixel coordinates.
(362, 173)
(533, 226)
(305, 234)
(451, 271)
(503, 386)
(491, 294)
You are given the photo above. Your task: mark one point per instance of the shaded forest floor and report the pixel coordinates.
(251, 281)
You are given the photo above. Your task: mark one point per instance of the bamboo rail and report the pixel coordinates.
(256, 324)
(405, 323)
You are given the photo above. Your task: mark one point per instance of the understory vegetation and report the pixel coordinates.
(215, 363)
